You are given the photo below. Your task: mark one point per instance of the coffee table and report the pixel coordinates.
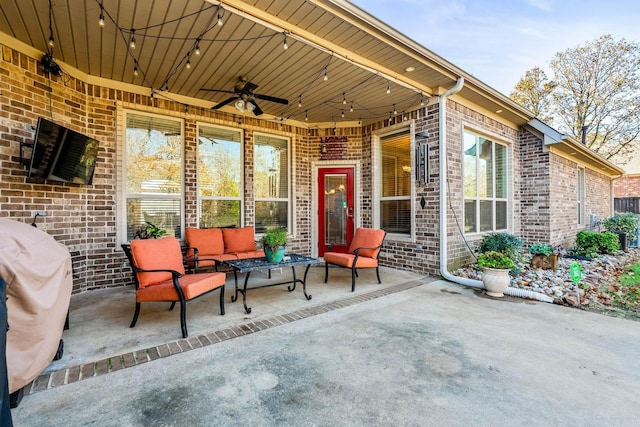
(249, 264)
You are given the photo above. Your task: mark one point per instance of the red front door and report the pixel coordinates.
(335, 209)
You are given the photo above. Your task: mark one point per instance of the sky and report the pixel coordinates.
(497, 41)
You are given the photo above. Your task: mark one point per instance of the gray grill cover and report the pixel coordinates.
(39, 279)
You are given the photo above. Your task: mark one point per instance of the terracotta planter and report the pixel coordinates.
(495, 281)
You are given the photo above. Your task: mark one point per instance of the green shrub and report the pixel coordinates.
(625, 223)
(540, 249)
(591, 244)
(149, 231)
(494, 259)
(508, 244)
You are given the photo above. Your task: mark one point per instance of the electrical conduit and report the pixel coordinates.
(442, 132)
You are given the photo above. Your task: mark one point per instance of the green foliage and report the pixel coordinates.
(632, 276)
(149, 231)
(508, 244)
(274, 237)
(625, 223)
(592, 244)
(541, 249)
(495, 259)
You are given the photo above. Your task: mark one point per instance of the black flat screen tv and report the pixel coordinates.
(62, 154)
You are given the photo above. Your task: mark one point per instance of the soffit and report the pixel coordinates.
(360, 55)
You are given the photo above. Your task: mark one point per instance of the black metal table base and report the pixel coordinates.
(290, 288)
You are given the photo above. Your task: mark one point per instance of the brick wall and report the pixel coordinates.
(627, 186)
(535, 189)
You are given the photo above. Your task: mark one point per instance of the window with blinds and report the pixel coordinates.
(154, 173)
(271, 181)
(485, 184)
(220, 176)
(395, 179)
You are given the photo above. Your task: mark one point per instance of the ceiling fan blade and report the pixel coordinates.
(217, 90)
(225, 102)
(256, 109)
(249, 87)
(272, 99)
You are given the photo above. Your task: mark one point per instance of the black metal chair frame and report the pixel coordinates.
(176, 284)
(354, 271)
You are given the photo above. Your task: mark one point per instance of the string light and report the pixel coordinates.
(132, 43)
(188, 65)
(394, 109)
(285, 46)
(344, 99)
(306, 116)
(326, 76)
(135, 71)
(300, 101)
(52, 41)
(341, 113)
(351, 108)
(101, 20)
(388, 87)
(197, 51)
(220, 14)
(421, 99)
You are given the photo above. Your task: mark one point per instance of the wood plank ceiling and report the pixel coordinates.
(359, 57)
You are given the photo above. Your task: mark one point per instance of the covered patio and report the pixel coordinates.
(99, 340)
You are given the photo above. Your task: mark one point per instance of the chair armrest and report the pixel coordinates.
(173, 272)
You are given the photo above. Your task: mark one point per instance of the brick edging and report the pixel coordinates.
(74, 374)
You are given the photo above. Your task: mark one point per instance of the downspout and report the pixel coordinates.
(444, 271)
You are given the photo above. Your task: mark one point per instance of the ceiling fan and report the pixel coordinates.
(245, 98)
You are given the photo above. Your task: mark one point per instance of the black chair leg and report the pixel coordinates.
(135, 315)
(326, 271)
(354, 274)
(183, 318)
(378, 274)
(222, 301)
(173, 304)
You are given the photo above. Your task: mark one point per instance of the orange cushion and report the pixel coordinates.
(208, 241)
(367, 238)
(192, 286)
(346, 260)
(156, 254)
(239, 239)
(250, 254)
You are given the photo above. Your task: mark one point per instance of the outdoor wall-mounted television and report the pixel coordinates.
(62, 154)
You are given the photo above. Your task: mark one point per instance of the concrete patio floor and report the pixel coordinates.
(412, 351)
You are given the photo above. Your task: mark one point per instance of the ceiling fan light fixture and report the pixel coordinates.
(250, 106)
(240, 105)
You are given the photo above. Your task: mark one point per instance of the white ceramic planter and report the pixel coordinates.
(495, 281)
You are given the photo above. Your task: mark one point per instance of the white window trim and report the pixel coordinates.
(242, 195)
(291, 228)
(581, 194)
(376, 168)
(510, 182)
(121, 173)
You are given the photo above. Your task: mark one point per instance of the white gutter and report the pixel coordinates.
(444, 271)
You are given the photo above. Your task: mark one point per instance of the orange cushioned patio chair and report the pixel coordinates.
(160, 277)
(363, 253)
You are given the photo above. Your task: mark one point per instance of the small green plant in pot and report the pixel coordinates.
(495, 272)
(274, 241)
(150, 231)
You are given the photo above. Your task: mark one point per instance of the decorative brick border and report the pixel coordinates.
(111, 364)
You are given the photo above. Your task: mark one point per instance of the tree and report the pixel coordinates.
(534, 91)
(595, 85)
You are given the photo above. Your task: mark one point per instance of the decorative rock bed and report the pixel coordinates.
(597, 273)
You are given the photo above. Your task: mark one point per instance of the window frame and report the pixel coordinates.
(242, 195)
(581, 194)
(290, 173)
(125, 195)
(377, 198)
(477, 198)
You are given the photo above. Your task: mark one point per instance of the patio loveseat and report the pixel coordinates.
(208, 247)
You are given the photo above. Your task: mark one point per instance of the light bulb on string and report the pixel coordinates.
(421, 99)
(306, 116)
(326, 76)
(135, 71)
(388, 87)
(101, 20)
(52, 41)
(220, 19)
(351, 108)
(197, 51)
(344, 99)
(394, 109)
(285, 45)
(188, 64)
(132, 43)
(300, 101)
(341, 113)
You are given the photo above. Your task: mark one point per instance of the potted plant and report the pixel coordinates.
(544, 256)
(150, 231)
(274, 241)
(495, 272)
